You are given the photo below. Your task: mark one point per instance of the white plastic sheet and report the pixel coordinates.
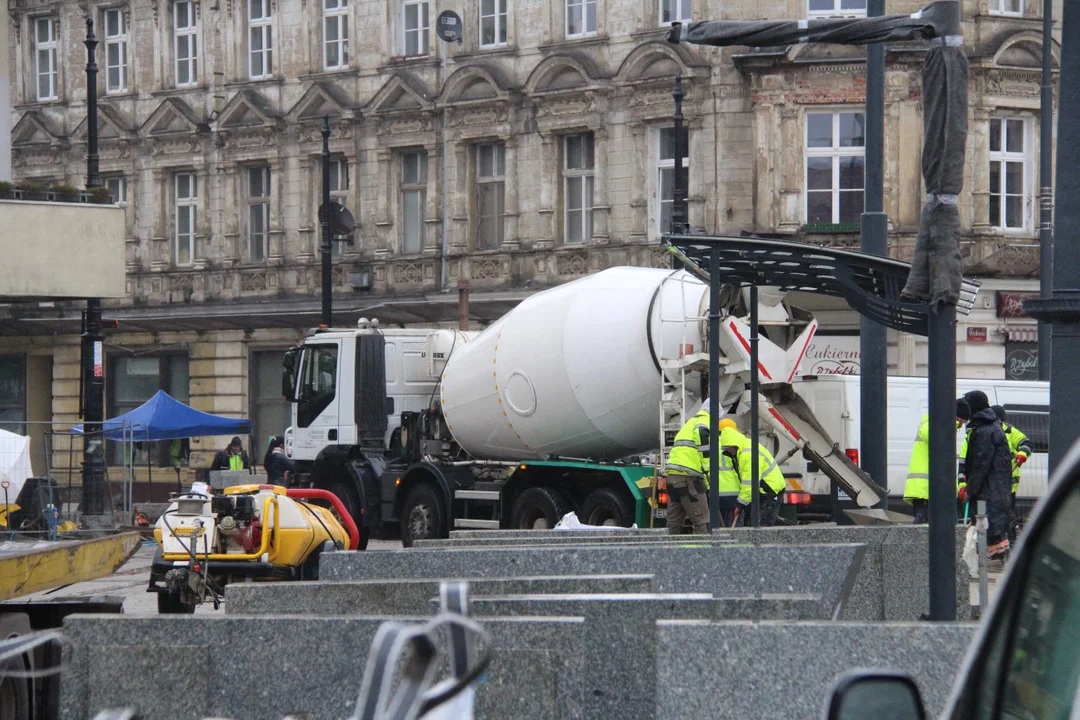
(570, 522)
(14, 463)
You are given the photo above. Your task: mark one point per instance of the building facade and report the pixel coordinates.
(536, 150)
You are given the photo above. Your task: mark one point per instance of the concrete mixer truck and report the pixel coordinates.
(568, 402)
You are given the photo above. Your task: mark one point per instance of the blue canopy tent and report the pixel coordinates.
(165, 418)
(162, 417)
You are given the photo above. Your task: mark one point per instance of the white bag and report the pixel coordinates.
(460, 707)
(971, 551)
(570, 521)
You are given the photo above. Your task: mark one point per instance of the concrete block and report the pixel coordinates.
(783, 670)
(180, 668)
(826, 570)
(619, 641)
(405, 597)
(702, 606)
(540, 534)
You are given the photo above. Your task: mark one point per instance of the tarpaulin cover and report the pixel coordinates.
(936, 269)
(165, 418)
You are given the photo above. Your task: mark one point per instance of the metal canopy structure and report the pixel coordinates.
(871, 284)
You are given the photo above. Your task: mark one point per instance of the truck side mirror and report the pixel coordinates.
(875, 695)
(288, 374)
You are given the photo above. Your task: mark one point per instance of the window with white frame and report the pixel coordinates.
(185, 43)
(258, 200)
(339, 193)
(665, 175)
(415, 23)
(490, 195)
(1010, 192)
(493, 23)
(46, 35)
(335, 34)
(578, 170)
(117, 186)
(1006, 7)
(817, 8)
(116, 51)
(835, 172)
(414, 167)
(674, 11)
(260, 39)
(187, 198)
(580, 18)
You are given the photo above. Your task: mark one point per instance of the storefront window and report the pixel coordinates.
(133, 381)
(13, 393)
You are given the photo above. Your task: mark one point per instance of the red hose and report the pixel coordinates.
(346, 518)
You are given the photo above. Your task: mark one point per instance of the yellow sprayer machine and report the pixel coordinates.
(250, 532)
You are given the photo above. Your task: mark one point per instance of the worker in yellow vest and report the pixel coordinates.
(728, 481)
(231, 458)
(917, 487)
(687, 476)
(770, 477)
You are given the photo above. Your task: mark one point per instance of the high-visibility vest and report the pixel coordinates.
(689, 455)
(769, 471)
(1018, 445)
(917, 486)
(236, 462)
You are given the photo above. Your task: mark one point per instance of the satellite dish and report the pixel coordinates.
(341, 220)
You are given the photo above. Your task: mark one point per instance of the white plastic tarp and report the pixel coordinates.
(14, 463)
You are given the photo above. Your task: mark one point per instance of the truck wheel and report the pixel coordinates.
(14, 694)
(607, 507)
(172, 604)
(422, 515)
(538, 508)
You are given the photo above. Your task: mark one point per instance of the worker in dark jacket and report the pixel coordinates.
(988, 465)
(232, 458)
(279, 466)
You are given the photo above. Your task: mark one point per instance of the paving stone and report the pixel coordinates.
(403, 596)
(782, 670)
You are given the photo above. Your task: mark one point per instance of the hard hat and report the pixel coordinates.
(728, 423)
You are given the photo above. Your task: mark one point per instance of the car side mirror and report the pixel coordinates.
(875, 695)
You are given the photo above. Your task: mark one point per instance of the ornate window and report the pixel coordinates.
(490, 195)
(185, 43)
(416, 22)
(186, 199)
(578, 169)
(665, 175)
(835, 167)
(414, 168)
(1010, 164)
(116, 51)
(258, 201)
(260, 39)
(580, 18)
(46, 38)
(493, 23)
(335, 34)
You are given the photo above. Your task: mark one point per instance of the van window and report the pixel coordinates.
(1033, 421)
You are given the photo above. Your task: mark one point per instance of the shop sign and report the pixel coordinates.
(831, 355)
(1011, 305)
(977, 334)
(1021, 361)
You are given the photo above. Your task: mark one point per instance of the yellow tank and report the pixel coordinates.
(258, 523)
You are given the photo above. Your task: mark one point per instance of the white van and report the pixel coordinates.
(834, 400)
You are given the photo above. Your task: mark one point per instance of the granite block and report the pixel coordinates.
(560, 538)
(619, 636)
(518, 534)
(241, 668)
(403, 596)
(892, 583)
(800, 660)
(824, 570)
